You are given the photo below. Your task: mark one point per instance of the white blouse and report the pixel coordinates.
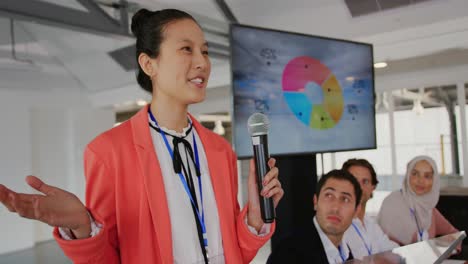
(185, 242)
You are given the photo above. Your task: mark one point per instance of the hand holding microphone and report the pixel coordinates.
(264, 187)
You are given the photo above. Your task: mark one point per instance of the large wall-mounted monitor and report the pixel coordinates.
(318, 92)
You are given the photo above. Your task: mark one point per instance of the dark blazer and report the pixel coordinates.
(305, 246)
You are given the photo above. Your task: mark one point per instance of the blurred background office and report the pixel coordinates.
(67, 74)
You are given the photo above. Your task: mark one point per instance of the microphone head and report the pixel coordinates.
(258, 124)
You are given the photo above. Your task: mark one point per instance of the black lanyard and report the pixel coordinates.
(187, 181)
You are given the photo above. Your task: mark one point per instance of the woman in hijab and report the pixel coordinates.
(414, 206)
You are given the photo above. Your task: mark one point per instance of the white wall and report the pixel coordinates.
(15, 163)
(49, 154)
(85, 125)
(43, 134)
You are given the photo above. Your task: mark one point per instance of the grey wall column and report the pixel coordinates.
(461, 96)
(333, 162)
(391, 119)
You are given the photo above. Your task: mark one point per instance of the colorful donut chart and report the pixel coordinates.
(324, 108)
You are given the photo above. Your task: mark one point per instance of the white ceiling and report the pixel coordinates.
(57, 58)
(70, 4)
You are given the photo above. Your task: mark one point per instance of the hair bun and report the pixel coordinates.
(139, 19)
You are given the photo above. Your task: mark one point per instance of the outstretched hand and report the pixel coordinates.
(271, 189)
(55, 207)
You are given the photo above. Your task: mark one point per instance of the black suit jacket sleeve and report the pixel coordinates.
(304, 246)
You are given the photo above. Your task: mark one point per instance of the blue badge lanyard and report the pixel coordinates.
(420, 232)
(201, 217)
(369, 249)
(341, 253)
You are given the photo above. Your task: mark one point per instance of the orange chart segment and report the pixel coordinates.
(333, 98)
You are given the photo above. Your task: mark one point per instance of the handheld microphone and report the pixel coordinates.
(258, 125)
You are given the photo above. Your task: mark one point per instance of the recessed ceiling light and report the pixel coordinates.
(141, 102)
(219, 129)
(379, 65)
(417, 107)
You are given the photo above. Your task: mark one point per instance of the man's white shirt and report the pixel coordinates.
(333, 254)
(367, 239)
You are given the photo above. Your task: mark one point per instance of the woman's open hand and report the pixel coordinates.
(55, 207)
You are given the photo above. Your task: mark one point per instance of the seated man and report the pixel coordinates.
(336, 202)
(365, 237)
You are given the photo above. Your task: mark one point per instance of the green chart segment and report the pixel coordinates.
(320, 109)
(320, 118)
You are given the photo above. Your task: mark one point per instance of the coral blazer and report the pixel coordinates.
(125, 193)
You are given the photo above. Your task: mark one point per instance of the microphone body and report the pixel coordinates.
(261, 157)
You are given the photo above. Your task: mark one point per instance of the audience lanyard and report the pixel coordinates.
(201, 217)
(343, 258)
(369, 249)
(420, 231)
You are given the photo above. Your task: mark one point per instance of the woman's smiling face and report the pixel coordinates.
(183, 67)
(421, 177)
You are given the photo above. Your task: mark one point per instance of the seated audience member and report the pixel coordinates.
(365, 237)
(336, 203)
(409, 214)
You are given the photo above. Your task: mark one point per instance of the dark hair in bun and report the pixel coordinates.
(148, 28)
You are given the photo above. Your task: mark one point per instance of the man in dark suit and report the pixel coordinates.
(336, 203)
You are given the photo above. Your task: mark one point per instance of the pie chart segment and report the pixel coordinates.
(300, 105)
(299, 78)
(333, 99)
(300, 71)
(321, 119)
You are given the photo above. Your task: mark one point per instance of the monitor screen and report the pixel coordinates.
(317, 92)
